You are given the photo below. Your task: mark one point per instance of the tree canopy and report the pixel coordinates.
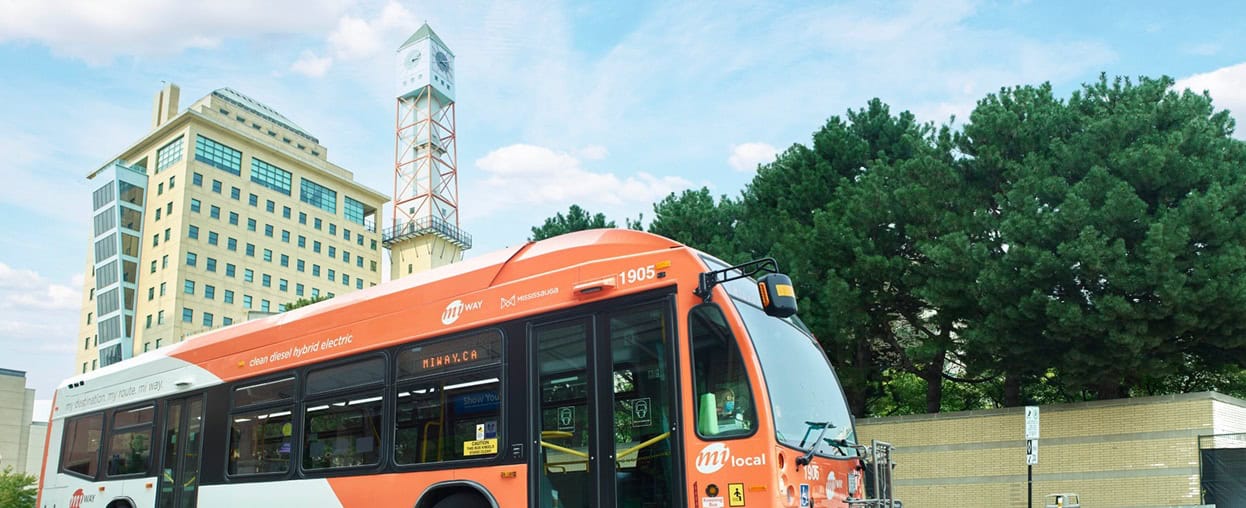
(576, 219)
(1047, 250)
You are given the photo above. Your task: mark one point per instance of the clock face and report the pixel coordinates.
(413, 59)
(443, 62)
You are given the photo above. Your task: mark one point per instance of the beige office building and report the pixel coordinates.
(224, 210)
(17, 404)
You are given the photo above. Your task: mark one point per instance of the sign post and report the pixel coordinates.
(1031, 450)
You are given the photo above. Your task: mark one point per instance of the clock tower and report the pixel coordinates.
(425, 232)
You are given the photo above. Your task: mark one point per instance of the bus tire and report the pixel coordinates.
(462, 500)
(120, 503)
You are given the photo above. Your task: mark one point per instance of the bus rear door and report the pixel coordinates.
(180, 459)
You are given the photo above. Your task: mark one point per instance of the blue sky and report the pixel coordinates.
(609, 105)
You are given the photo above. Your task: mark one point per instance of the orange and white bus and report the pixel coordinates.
(599, 369)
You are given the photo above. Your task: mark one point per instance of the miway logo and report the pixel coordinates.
(456, 309)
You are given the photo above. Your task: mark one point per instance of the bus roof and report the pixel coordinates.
(471, 275)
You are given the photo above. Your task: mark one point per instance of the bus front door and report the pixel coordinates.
(606, 411)
(179, 464)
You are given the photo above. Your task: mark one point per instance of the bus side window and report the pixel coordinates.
(724, 397)
(81, 448)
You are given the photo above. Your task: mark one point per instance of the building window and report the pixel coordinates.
(209, 291)
(268, 255)
(315, 270)
(352, 210)
(229, 296)
(270, 206)
(359, 261)
(318, 195)
(285, 236)
(268, 230)
(194, 205)
(172, 182)
(191, 258)
(188, 287)
(164, 261)
(217, 186)
(332, 275)
(316, 246)
(248, 275)
(162, 286)
(316, 224)
(231, 244)
(266, 280)
(302, 218)
(251, 250)
(155, 240)
(264, 305)
(153, 266)
(345, 280)
(196, 179)
(207, 319)
(332, 229)
(346, 234)
(188, 315)
(169, 154)
(214, 212)
(246, 301)
(285, 212)
(283, 285)
(358, 283)
(218, 155)
(233, 218)
(285, 260)
(193, 232)
(253, 200)
(159, 321)
(151, 293)
(299, 265)
(298, 289)
(167, 232)
(212, 237)
(235, 193)
(250, 224)
(270, 176)
(332, 252)
(211, 263)
(302, 241)
(226, 321)
(158, 210)
(229, 269)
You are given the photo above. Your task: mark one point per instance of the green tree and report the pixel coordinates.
(1120, 220)
(304, 301)
(576, 219)
(694, 218)
(17, 490)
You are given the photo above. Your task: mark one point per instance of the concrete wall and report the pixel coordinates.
(1129, 453)
(17, 404)
(34, 452)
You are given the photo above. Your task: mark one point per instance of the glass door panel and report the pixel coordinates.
(640, 341)
(565, 429)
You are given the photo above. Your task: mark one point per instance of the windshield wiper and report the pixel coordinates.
(808, 456)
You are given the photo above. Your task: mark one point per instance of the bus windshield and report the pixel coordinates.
(804, 391)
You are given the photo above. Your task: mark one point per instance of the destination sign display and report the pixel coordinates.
(483, 348)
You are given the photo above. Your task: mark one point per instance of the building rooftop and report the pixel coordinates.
(259, 108)
(14, 373)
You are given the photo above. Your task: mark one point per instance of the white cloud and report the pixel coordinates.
(27, 290)
(358, 38)
(17, 280)
(39, 325)
(523, 174)
(311, 65)
(100, 31)
(1227, 86)
(746, 156)
(594, 152)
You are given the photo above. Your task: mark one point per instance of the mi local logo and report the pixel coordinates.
(457, 308)
(714, 456)
(76, 500)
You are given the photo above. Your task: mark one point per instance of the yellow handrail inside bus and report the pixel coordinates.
(564, 449)
(650, 442)
(424, 452)
(555, 433)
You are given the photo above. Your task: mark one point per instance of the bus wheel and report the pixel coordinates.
(461, 500)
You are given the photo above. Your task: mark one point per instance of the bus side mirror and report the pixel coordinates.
(778, 298)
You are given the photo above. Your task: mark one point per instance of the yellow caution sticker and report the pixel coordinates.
(785, 290)
(735, 494)
(480, 447)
